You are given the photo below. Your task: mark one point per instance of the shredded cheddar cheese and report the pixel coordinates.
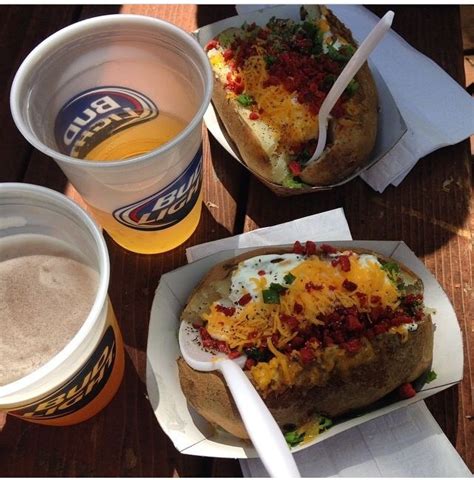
(318, 286)
(289, 118)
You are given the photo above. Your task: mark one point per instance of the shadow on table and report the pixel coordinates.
(207, 14)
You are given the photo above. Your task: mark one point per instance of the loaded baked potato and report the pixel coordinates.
(325, 332)
(270, 82)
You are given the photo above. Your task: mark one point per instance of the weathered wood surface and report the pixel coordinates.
(430, 211)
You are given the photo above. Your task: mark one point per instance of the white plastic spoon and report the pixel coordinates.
(347, 74)
(262, 428)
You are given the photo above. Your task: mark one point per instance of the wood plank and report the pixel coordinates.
(125, 439)
(23, 27)
(430, 211)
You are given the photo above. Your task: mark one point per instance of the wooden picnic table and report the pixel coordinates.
(429, 211)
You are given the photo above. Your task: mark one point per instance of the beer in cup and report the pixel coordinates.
(117, 101)
(61, 355)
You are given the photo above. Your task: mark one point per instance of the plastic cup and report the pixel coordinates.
(129, 92)
(84, 376)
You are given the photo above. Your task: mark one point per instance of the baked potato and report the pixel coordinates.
(270, 82)
(325, 332)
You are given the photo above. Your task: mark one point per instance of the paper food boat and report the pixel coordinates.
(193, 435)
(391, 126)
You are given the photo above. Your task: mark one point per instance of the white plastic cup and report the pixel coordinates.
(84, 376)
(90, 73)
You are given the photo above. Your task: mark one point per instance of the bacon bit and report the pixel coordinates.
(380, 328)
(291, 321)
(344, 263)
(298, 248)
(310, 248)
(234, 354)
(370, 334)
(227, 311)
(295, 168)
(335, 262)
(327, 340)
(412, 299)
(400, 320)
(353, 346)
(249, 363)
(310, 286)
(229, 77)
(212, 44)
(297, 308)
(208, 343)
(338, 336)
(353, 323)
(254, 116)
(204, 333)
(376, 313)
(362, 299)
(306, 354)
(196, 325)
(275, 338)
(297, 342)
(261, 272)
(314, 342)
(252, 334)
(332, 288)
(406, 390)
(245, 299)
(349, 286)
(375, 299)
(223, 347)
(228, 54)
(327, 248)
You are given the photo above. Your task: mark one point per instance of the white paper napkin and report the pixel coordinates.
(331, 225)
(437, 110)
(405, 443)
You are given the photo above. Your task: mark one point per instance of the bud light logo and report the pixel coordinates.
(96, 114)
(168, 206)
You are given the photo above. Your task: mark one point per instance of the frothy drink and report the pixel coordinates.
(46, 294)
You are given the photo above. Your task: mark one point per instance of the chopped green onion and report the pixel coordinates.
(294, 438)
(245, 100)
(310, 28)
(270, 60)
(289, 278)
(392, 269)
(291, 182)
(225, 39)
(270, 296)
(277, 287)
(328, 81)
(432, 375)
(352, 88)
(344, 54)
(324, 423)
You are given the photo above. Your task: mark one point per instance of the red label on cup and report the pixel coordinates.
(79, 390)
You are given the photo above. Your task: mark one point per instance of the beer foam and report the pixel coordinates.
(44, 300)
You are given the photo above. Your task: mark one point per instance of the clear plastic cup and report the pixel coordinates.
(129, 92)
(84, 376)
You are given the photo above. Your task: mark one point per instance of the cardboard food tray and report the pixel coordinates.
(391, 126)
(193, 435)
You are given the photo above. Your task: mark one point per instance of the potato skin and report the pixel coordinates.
(352, 136)
(394, 362)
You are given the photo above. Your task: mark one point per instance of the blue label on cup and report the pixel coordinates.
(167, 207)
(96, 114)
